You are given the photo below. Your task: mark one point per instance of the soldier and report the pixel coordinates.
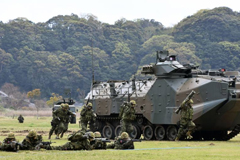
(186, 119)
(20, 119)
(87, 115)
(54, 123)
(78, 141)
(98, 143)
(62, 115)
(128, 115)
(31, 141)
(10, 143)
(122, 142)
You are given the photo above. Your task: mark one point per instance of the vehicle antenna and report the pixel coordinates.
(92, 68)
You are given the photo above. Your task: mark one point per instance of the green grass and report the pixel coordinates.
(147, 150)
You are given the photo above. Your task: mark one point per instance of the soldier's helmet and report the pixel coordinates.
(97, 135)
(90, 135)
(89, 104)
(32, 133)
(133, 102)
(62, 105)
(11, 135)
(191, 101)
(124, 135)
(66, 106)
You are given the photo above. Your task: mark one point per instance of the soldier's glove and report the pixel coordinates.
(85, 136)
(39, 146)
(13, 144)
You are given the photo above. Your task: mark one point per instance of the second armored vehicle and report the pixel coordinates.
(72, 108)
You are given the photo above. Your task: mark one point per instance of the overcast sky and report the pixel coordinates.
(168, 12)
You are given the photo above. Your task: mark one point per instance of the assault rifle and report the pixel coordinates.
(103, 139)
(136, 140)
(43, 144)
(47, 143)
(15, 145)
(87, 101)
(186, 99)
(133, 140)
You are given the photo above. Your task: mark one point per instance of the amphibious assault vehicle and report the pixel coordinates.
(216, 102)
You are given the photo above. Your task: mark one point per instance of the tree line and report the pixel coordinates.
(57, 54)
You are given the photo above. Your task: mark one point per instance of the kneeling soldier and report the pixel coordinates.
(20, 119)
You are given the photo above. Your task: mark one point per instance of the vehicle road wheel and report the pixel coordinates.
(148, 132)
(108, 131)
(136, 133)
(160, 132)
(171, 133)
(117, 130)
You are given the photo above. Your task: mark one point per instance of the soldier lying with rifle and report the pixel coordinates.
(99, 142)
(123, 142)
(10, 143)
(31, 141)
(186, 117)
(77, 141)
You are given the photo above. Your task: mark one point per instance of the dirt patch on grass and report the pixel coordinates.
(25, 132)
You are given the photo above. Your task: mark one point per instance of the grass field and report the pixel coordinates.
(166, 150)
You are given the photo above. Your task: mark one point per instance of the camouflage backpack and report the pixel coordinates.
(76, 136)
(122, 108)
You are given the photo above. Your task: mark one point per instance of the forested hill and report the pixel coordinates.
(55, 55)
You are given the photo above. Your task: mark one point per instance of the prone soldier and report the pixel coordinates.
(99, 142)
(87, 115)
(10, 143)
(78, 141)
(122, 142)
(31, 141)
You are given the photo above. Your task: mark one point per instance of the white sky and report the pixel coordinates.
(168, 12)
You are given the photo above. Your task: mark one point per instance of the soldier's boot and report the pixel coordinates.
(50, 134)
(189, 136)
(57, 137)
(61, 135)
(177, 139)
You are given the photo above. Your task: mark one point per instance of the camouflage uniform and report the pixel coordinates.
(78, 141)
(31, 141)
(10, 143)
(122, 142)
(186, 119)
(20, 119)
(62, 114)
(54, 123)
(128, 115)
(87, 115)
(98, 143)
